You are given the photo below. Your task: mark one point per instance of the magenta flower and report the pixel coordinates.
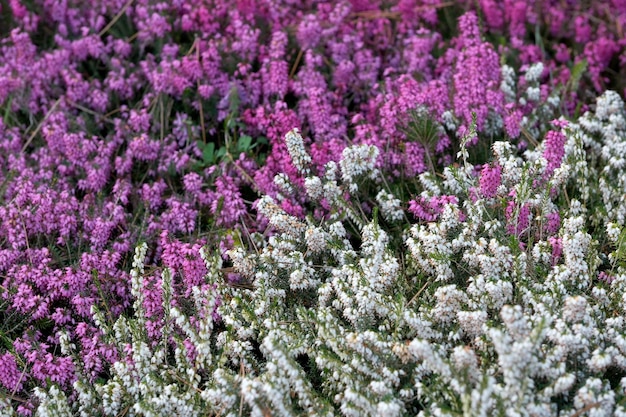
(228, 205)
(430, 209)
(519, 222)
(10, 375)
(477, 75)
(553, 222)
(557, 248)
(554, 148)
(490, 180)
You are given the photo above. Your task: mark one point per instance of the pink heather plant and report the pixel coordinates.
(476, 77)
(429, 209)
(490, 180)
(554, 144)
(518, 218)
(10, 375)
(557, 249)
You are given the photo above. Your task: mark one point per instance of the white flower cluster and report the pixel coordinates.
(545, 109)
(356, 161)
(284, 185)
(389, 206)
(52, 403)
(532, 77)
(295, 146)
(431, 250)
(314, 188)
(533, 73)
(605, 132)
(278, 218)
(507, 85)
(358, 290)
(6, 410)
(316, 239)
(243, 263)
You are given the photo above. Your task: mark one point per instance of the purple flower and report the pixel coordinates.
(10, 375)
(490, 180)
(414, 155)
(518, 222)
(430, 209)
(180, 217)
(553, 222)
(557, 248)
(554, 148)
(512, 123)
(227, 205)
(605, 277)
(477, 75)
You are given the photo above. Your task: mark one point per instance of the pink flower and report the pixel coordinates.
(10, 375)
(518, 223)
(512, 123)
(557, 248)
(553, 222)
(430, 209)
(554, 148)
(227, 204)
(490, 179)
(605, 277)
(476, 75)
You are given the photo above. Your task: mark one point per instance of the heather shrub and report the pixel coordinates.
(496, 304)
(164, 123)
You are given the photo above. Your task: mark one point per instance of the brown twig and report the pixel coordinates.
(38, 128)
(295, 64)
(116, 18)
(418, 293)
(584, 410)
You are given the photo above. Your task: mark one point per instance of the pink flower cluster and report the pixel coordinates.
(430, 209)
(490, 179)
(554, 147)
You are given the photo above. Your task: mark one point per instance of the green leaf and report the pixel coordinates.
(233, 100)
(208, 153)
(7, 110)
(578, 70)
(243, 144)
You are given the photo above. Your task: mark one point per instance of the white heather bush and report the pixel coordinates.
(470, 314)
(605, 132)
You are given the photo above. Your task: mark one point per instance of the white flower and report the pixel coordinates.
(295, 146)
(608, 104)
(613, 231)
(314, 187)
(278, 218)
(472, 321)
(449, 301)
(533, 73)
(533, 93)
(507, 85)
(356, 161)
(284, 185)
(243, 263)
(389, 206)
(315, 239)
